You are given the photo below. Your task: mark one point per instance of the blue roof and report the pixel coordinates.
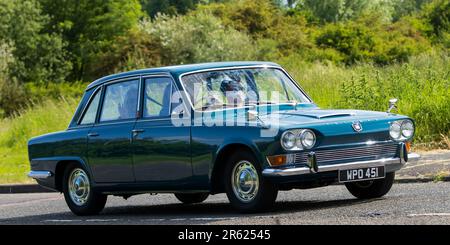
(179, 69)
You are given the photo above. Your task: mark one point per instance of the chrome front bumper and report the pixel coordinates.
(40, 174)
(393, 163)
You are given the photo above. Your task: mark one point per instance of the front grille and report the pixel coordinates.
(348, 154)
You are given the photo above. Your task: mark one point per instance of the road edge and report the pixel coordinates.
(22, 188)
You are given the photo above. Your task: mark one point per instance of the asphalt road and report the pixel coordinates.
(420, 203)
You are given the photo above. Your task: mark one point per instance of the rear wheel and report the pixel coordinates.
(189, 198)
(245, 186)
(371, 188)
(78, 193)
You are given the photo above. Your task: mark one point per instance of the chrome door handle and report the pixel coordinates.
(137, 131)
(93, 134)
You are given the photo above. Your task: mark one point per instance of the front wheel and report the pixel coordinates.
(371, 188)
(79, 196)
(189, 198)
(245, 186)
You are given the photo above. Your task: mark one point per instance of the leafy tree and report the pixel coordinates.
(172, 7)
(197, 37)
(90, 27)
(252, 17)
(340, 10)
(438, 15)
(39, 56)
(11, 91)
(406, 7)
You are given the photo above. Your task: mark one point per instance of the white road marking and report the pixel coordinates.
(101, 220)
(62, 220)
(429, 214)
(212, 218)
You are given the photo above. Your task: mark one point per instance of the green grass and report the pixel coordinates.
(46, 117)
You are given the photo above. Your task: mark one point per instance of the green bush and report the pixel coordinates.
(197, 37)
(371, 40)
(251, 17)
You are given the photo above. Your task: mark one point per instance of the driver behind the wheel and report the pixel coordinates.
(233, 92)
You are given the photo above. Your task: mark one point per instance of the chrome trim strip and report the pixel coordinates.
(110, 78)
(413, 157)
(140, 92)
(234, 68)
(40, 174)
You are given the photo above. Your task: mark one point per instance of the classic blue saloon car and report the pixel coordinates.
(243, 128)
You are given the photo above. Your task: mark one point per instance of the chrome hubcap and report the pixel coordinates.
(245, 181)
(79, 187)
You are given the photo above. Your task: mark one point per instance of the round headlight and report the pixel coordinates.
(288, 140)
(407, 129)
(395, 130)
(308, 139)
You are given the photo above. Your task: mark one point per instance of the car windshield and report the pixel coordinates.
(240, 87)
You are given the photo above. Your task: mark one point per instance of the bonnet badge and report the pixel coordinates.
(357, 126)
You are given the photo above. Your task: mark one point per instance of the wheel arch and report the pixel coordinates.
(220, 160)
(61, 166)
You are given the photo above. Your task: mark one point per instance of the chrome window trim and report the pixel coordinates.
(154, 119)
(87, 105)
(128, 79)
(234, 68)
(93, 84)
(138, 109)
(120, 121)
(172, 84)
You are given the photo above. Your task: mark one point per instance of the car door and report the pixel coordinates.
(161, 150)
(109, 140)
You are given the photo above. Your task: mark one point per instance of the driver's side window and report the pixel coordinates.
(157, 94)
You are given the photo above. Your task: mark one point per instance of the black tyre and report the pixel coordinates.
(371, 189)
(79, 196)
(189, 198)
(245, 186)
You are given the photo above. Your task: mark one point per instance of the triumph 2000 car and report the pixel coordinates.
(242, 128)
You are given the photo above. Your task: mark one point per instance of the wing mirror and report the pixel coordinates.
(392, 104)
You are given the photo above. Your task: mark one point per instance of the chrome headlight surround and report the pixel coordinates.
(302, 138)
(401, 130)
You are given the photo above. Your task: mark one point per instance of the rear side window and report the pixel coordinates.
(157, 95)
(120, 101)
(91, 112)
